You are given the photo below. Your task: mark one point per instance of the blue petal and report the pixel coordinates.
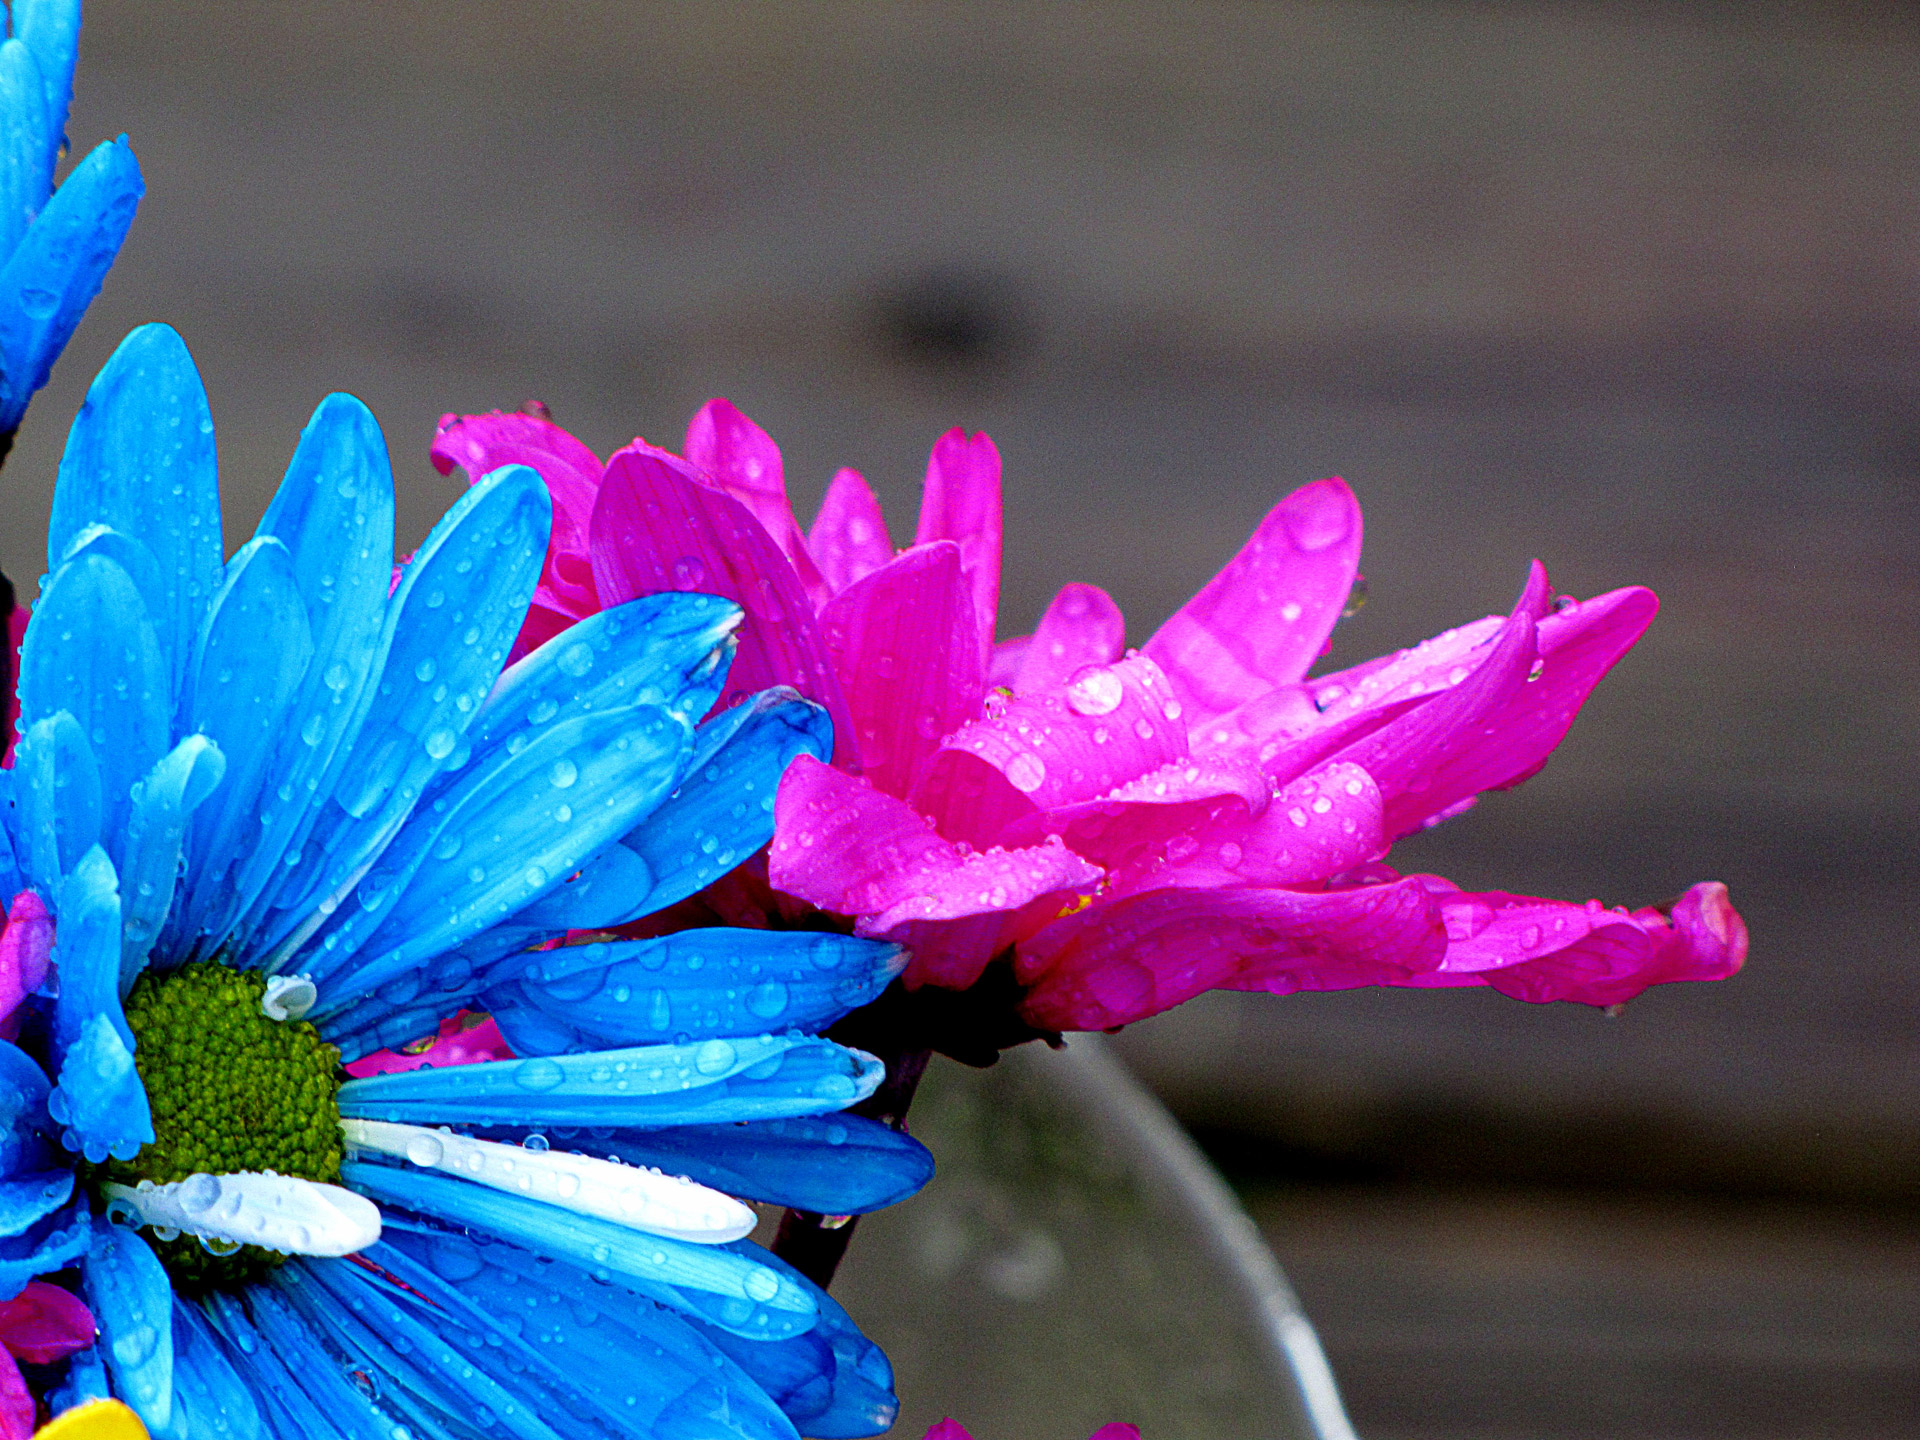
(13, 878)
(99, 1099)
(48, 1245)
(56, 799)
(140, 461)
(132, 1303)
(863, 1401)
(251, 653)
(150, 864)
(670, 650)
(26, 162)
(58, 267)
(307, 1392)
(723, 810)
(507, 833)
(829, 1164)
(764, 1078)
(449, 625)
(86, 1380)
(695, 984)
(24, 1120)
(51, 29)
(91, 650)
(334, 513)
(421, 1372)
(209, 1398)
(450, 980)
(28, 1199)
(642, 1362)
(740, 1292)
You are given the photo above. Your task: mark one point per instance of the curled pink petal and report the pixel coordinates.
(745, 462)
(904, 644)
(1116, 1430)
(1082, 627)
(948, 1429)
(1265, 618)
(1107, 726)
(1116, 963)
(961, 502)
(656, 527)
(26, 945)
(44, 1323)
(467, 1038)
(1004, 663)
(849, 535)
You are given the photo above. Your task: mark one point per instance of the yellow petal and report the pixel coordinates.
(95, 1420)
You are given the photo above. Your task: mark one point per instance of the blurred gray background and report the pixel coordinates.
(1632, 288)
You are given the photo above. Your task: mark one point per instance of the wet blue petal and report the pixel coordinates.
(58, 267)
(715, 1081)
(600, 894)
(209, 1399)
(26, 160)
(696, 984)
(334, 513)
(13, 876)
(450, 980)
(670, 650)
(723, 810)
(28, 1199)
(743, 1293)
(56, 800)
(91, 651)
(43, 1247)
(249, 658)
(459, 604)
(99, 1099)
(86, 1379)
(132, 1302)
(863, 1402)
(508, 832)
(829, 1164)
(51, 28)
(305, 1386)
(674, 1385)
(140, 462)
(150, 864)
(24, 1089)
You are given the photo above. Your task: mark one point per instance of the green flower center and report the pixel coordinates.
(230, 1090)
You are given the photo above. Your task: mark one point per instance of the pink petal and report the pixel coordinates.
(657, 527)
(1150, 823)
(843, 846)
(1116, 1430)
(16, 1402)
(1110, 725)
(961, 502)
(1122, 961)
(1703, 939)
(1004, 664)
(1411, 756)
(948, 1429)
(745, 462)
(467, 1038)
(25, 947)
(1431, 666)
(1081, 627)
(849, 536)
(44, 1323)
(1265, 618)
(1321, 825)
(481, 444)
(904, 645)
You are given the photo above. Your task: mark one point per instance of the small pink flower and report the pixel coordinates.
(1134, 827)
(40, 1325)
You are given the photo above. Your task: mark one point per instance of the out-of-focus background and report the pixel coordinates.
(1634, 288)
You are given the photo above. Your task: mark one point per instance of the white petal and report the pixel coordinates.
(277, 1212)
(288, 997)
(639, 1199)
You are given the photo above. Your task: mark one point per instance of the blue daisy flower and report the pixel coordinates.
(287, 812)
(56, 245)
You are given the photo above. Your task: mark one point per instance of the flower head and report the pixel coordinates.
(1131, 827)
(283, 811)
(56, 245)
